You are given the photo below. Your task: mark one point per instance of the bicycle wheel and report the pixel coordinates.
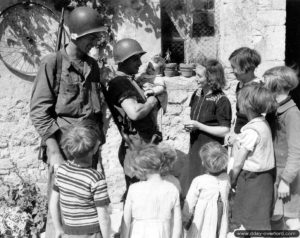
(28, 32)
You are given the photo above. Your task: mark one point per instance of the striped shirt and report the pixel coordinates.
(81, 191)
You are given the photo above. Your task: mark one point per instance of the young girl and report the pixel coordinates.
(253, 168)
(205, 211)
(243, 61)
(152, 207)
(79, 199)
(280, 81)
(168, 165)
(210, 115)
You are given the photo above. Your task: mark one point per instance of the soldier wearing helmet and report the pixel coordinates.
(66, 90)
(135, 109)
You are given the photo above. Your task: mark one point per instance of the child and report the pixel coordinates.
(205, 211)
(152, 208)
(153, 84)
(243, 61)
(79, 199)
(167, 170)
(280, 81)
(210, 116)
(253, 168)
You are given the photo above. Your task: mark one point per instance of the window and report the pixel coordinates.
(203, 18)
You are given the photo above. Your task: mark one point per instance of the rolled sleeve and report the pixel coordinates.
(248, 139)
(120, 89)
(99, 190)
(42, 103)
(292, 167)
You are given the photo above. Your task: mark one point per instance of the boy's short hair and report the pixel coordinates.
(247, 59)
(257, 99)
(81, 139)
(147, 159)
(281, 78)
(215, 75)
(214, 157)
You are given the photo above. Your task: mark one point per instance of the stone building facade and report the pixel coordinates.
(253, 23)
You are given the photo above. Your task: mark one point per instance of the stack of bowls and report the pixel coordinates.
(186, 70)
(171, 70)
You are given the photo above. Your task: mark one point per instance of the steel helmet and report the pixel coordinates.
(85, 20)
(126, 48)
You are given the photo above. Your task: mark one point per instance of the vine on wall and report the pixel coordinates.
(23, 209)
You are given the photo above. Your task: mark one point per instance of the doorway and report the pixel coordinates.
(292, 51)
(170, 39)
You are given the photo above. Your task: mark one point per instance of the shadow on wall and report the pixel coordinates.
(34, 30)
(140, 13)
(27, 34)
(180, 163)
(136, 12)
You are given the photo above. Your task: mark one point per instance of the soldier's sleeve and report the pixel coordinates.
(43, 99)
(120, 89)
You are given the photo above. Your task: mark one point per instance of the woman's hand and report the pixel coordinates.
(283, 189)
(192, 125)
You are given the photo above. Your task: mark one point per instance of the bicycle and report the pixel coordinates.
(28, 32)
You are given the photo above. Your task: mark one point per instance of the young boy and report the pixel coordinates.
(79, 199)
(244, 61)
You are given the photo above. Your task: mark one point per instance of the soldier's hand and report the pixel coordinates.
(152, 99)
(55, 160)
(149, 93)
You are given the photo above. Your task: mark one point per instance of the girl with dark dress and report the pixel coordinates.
(210, 116)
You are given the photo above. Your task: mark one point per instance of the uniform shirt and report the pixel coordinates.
(123, 87)
(81, 191)
(78, 96)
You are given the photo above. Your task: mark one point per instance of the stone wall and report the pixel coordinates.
(19, 141)
(255, 23)
(141, 24)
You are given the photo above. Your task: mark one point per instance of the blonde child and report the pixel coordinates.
(167, 171)
(280, 81)
(205, 211)
(154, 85)
(210, 116)
(253, 167)
(152, 207)
(79, 200)
(243, 61)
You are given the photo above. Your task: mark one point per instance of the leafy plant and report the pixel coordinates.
(23, 211)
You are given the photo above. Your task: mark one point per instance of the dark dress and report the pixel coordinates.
(241, 119)
(212, 109)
